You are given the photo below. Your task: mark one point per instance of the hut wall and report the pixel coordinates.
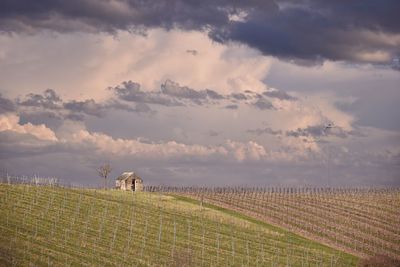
(138, 185)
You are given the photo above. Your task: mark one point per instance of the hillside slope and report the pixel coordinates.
(54, 226)
(364, 222)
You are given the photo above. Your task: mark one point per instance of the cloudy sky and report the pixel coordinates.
(202, 92)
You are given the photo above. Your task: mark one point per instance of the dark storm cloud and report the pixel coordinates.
(374, 15)
(173, 94)
(306, 32)
(117, 105)
(173, 89)
(89, 107)
(316, 131)
(75, 117)
(50, 109)
(263, 104)
(310, 131)
(312, 31)
(49, 100)
(92, 108)
(110, 16)
(170, 94)
(214, 95)
(131, 92)
(232, 107)
(321, 130)
(49, 118)
(6, 105)
(238, 96)
(266, 130)
(143, 108)
(279, 94)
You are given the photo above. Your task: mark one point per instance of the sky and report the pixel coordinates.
(206, 93)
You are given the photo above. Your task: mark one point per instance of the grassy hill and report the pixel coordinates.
(55, 226)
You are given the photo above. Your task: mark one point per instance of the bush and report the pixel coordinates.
(379, 261)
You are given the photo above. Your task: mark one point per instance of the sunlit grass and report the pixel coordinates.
(54, 226)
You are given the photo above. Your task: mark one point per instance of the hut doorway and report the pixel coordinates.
(133, 184)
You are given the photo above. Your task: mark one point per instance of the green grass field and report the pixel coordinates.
(54, 226)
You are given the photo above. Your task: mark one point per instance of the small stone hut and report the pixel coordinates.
(129, 181)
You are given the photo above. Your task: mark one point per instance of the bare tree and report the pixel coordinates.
(103, 171)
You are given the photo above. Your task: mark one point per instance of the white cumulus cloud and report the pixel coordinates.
(10, 122)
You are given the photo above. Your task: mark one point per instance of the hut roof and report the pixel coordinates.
(127, 175)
